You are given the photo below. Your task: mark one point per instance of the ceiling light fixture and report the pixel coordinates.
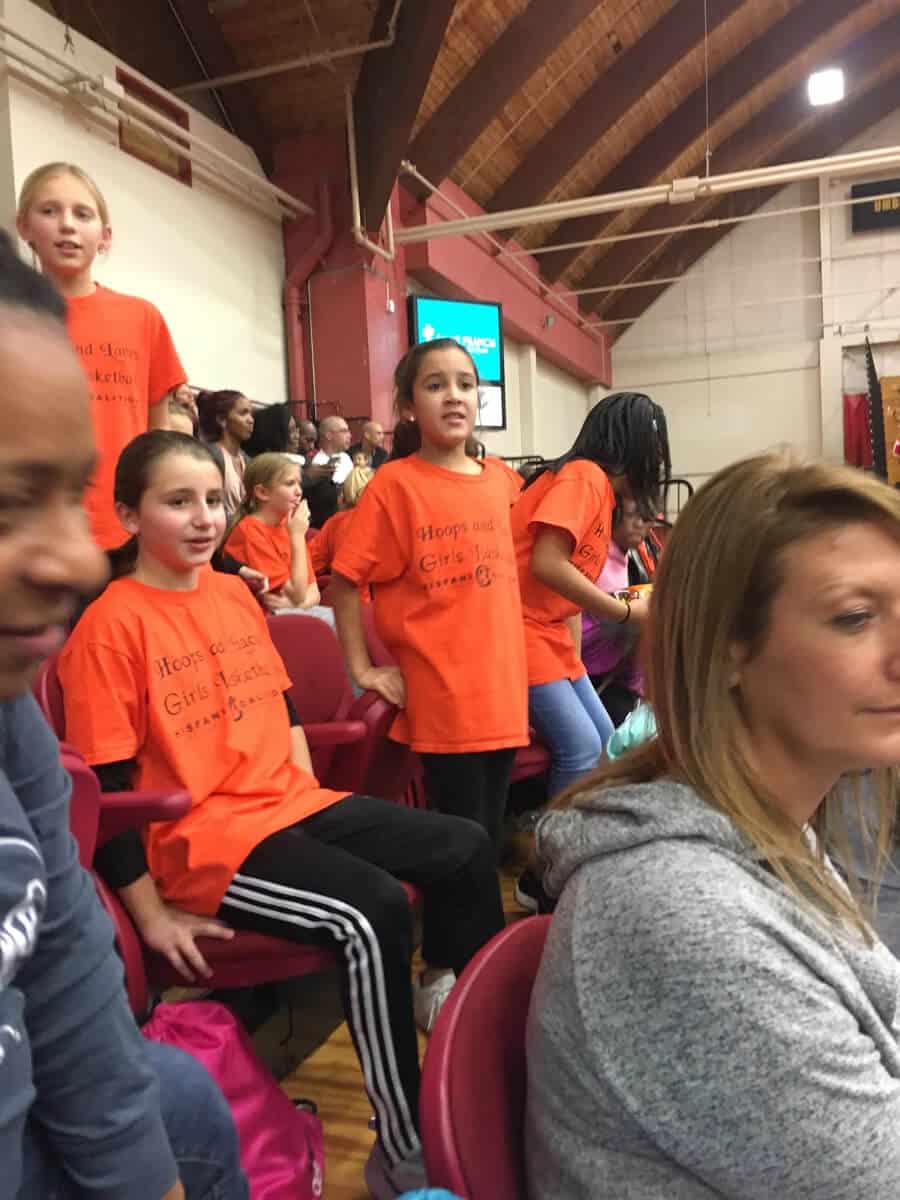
(825, 87)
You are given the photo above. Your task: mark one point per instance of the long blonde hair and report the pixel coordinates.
(720, 570)
(263, 471)
(40, 175)
(355, 484)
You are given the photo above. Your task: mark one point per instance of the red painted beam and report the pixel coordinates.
(469, 269)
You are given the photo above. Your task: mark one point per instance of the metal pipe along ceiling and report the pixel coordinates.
(104, 98)
(679, 191)
(297, 64)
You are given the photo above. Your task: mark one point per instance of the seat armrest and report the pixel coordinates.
(334, 733)
(132, 810)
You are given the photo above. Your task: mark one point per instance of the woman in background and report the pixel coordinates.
(226, 424)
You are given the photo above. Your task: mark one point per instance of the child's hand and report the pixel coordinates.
(171, 932)
(275, 601)
(387, 682)
(255, 580)
(298, 521)
(640, 610)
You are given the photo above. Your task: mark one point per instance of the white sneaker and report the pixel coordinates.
(428, 999)
(385, 1182)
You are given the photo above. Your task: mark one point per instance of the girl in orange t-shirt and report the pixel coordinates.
(123, 342)
(171, 681)
(269, 533)
(431, 535)
(561, 525)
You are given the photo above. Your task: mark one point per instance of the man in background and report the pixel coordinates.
(371, 445)
(334, 442)
(326, 470)
(307, 436)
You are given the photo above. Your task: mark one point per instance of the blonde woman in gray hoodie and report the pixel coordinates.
(714, 1016)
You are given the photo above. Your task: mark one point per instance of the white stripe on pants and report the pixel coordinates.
(368, 1015)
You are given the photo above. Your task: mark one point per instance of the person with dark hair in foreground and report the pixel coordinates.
(88, 1108)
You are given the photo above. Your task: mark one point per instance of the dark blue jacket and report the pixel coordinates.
(71, 1056)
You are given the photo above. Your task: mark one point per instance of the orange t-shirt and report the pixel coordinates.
(579, 500)
(323, 546)
(190, 685)
(267, 549)
(437, 547)
(513, 478)
(131, 364)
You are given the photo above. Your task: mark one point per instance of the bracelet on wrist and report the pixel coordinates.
(624, 620)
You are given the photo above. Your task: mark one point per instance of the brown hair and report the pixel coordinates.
(134, 474)
(407, 435)
(722, 566)
(40, 175)
(213, 409)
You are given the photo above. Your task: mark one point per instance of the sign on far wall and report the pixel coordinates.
(141, 143)
(880, 208)
(478, 327)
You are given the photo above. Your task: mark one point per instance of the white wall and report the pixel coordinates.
(508, 441)
(545, 407)
(213, 265)
(561, 404)
(862, 273)
(729, 351)
(739, 362)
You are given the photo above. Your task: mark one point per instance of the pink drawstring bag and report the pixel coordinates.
(282, 1148)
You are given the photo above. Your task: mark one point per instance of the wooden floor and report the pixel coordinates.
(330, 1076)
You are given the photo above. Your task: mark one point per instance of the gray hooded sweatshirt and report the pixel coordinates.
(694, 1031)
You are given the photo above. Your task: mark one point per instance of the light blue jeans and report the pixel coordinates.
(572, 722)
(199, 1125)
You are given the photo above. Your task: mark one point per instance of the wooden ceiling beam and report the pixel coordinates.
(653, 158)
(607, 101)
(213, 57)
(388, 93)
(825, 138)
(770, 136)
(155, 38)
(507, 65)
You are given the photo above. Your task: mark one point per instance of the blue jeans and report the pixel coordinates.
(572, 722)
(200, 1129)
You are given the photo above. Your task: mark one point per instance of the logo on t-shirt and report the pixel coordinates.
(19, 927)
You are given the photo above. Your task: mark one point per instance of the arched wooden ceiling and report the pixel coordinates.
(523, 101)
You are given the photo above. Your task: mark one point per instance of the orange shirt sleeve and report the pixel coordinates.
(514, 480)
(570, 504)
(249, 545)
(104, 691)
(319, 551)
(372, 549)
(166, 371)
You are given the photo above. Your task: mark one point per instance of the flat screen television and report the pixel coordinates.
(476, 325)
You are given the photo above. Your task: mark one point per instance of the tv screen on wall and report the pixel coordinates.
(476, 325)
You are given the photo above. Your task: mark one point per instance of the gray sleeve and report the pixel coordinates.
(97, 1099)
(734, 1040)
